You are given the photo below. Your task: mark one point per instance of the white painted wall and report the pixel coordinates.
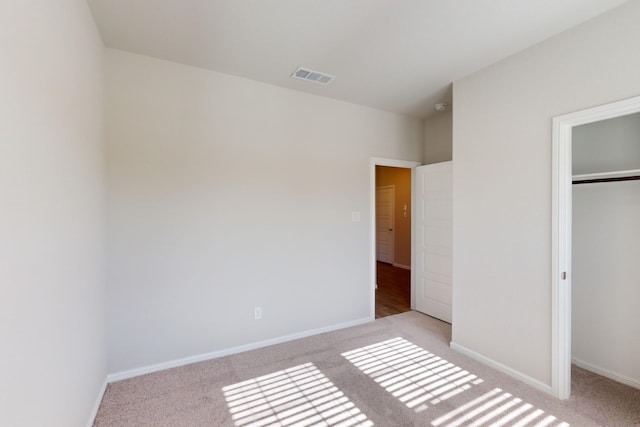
(225, 194)
(606, 277)
(607, 145)
(52, 329)
(438, 144)
(502, 182)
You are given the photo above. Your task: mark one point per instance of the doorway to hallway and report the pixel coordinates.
(393, 240)
(374, 163)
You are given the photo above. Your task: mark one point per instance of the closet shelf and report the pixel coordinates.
(626, 175)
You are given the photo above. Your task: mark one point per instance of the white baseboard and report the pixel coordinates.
(96, 405)
(118, 376)
(607, 373)
(406, 267)
(502, 368)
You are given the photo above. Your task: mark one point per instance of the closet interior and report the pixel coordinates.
(606, 248)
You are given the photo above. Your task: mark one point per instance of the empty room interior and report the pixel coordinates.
(339, 213)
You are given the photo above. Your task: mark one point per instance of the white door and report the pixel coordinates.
(385, 197)
(434, 243)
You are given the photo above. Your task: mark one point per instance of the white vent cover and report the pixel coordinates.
(312, 76)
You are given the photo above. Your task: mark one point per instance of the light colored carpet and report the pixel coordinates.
(396, 371)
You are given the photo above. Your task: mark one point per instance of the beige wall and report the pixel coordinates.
(438, 142)
(52, 326)
(401, 179)
(220, 201)
(502, 181)
(607, 146)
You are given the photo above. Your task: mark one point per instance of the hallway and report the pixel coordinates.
(393, 295)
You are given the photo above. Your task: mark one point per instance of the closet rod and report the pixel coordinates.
(612, 179)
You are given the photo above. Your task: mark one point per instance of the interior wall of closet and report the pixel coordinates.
(606, 248)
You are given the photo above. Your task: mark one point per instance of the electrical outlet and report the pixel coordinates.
(257, 313)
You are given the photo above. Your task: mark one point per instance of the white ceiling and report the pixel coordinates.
(396, 55)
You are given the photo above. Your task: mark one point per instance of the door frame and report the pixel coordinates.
(561, 233)
(373, 162)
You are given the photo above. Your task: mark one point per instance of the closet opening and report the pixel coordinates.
(605, 236)
(596, 206)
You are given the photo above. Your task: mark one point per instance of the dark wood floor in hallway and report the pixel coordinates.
(393, 295)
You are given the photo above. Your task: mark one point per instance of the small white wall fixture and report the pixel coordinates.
(561, 233)
(373, 162)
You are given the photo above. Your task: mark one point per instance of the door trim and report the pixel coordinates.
(373, 162)
(561, 234)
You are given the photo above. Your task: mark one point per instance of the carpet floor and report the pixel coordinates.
(396, 371)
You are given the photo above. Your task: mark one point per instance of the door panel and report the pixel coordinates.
(434, 243)
(384, 223)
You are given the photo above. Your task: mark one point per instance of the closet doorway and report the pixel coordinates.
(596, 206)
(605, 326)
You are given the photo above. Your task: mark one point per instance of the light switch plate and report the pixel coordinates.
(355, 216)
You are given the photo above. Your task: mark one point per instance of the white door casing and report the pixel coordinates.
(434, 240)
(561, 234)
(385, 223)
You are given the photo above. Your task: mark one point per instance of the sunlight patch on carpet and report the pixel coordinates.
(411, 374)
(300, 396)
(497, 408)
(419, 378)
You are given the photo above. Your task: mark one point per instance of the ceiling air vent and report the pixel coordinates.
(312, 76)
